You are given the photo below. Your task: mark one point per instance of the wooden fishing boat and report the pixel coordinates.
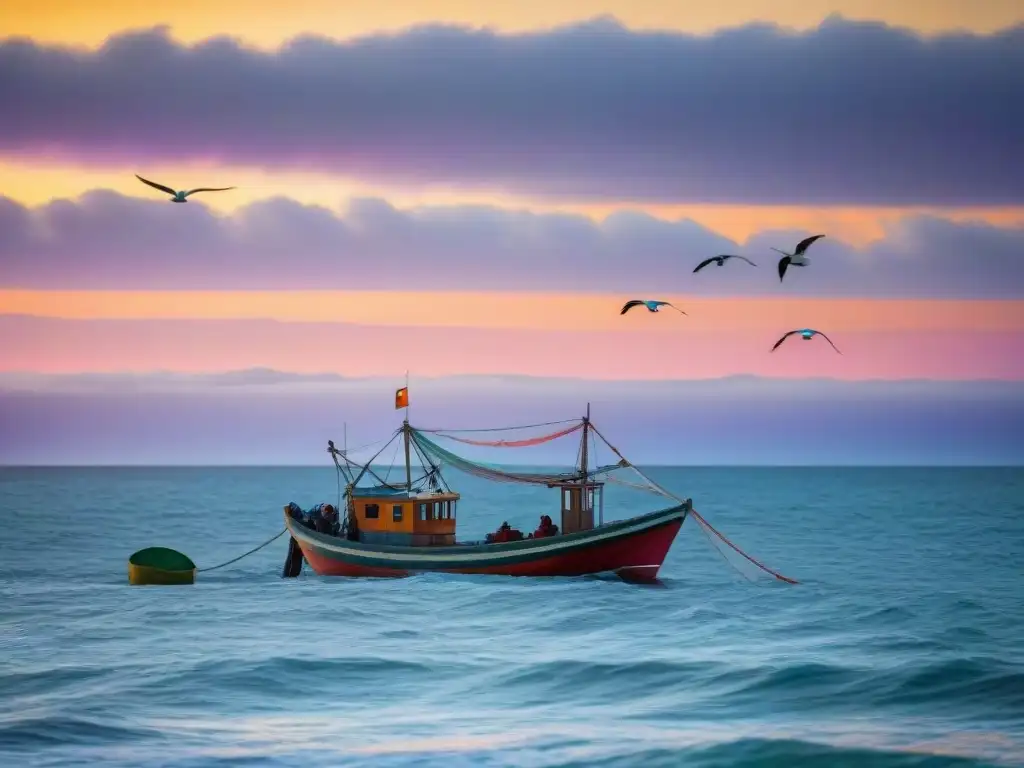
(389, 530)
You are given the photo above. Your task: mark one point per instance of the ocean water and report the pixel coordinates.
(903, 645)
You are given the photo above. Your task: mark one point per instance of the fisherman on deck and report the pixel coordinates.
(546, 528)
(504, 533)
(326, 521)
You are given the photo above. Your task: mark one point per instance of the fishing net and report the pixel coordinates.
(485, 470)
(718, 540)
(522, 443)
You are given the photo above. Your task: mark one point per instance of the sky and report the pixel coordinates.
(473, 189)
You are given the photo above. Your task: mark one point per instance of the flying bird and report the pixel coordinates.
(797, 258)
(652, 306)
(807, 334)
(180, 195)
(721, 261)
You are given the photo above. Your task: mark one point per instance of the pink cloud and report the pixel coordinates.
(51, 345)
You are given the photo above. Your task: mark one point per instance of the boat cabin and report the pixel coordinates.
(578, 504)
(400, 517)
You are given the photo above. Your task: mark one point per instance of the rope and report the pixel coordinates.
(392, 466)
(705, 525)
(524, 443)
(499, 429)
(752, 559)
(251, 551)
(364, 446)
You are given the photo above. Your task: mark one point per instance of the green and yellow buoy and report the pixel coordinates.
(160, 565)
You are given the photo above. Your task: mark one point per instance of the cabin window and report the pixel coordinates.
(396, 513)
(445, 508)
(454, 504)
(372, 512)
(423, 511)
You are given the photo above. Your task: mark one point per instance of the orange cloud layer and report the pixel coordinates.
(63, 346)
(36, 182)
(537, 311)
(269, 24)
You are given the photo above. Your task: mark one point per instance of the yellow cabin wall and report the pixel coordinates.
(385, 522)
(410, 522)
(434, 527)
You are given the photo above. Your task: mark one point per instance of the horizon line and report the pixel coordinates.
(7, 467)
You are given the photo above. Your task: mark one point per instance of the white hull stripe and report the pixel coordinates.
(459, 557)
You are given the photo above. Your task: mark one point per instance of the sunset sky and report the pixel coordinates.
(456, 187)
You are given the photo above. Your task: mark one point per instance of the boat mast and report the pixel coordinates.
(583, 448)
(408, 467)
(405, 430)
(584, 457)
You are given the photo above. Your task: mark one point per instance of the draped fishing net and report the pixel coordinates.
(492, 471)
(522, 443)
(748, 566)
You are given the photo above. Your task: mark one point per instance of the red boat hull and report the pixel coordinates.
(634, 549)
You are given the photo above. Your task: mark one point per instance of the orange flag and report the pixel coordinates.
(402, 398)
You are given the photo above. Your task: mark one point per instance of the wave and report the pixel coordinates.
(777, 753)
(28, 734)
(989, 688)
(284, 676)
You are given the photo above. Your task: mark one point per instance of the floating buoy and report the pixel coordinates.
(160, 565)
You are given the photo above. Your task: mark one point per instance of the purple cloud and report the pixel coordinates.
(261, 419)
(107, 241)
(850, 112)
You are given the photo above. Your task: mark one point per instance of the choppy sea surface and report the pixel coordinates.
(903, 645)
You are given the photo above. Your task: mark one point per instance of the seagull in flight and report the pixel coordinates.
(807, 334)
(180, 195)
(721, 261)
(652, 306)
(797, 258)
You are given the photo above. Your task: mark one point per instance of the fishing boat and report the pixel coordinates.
(389, 529)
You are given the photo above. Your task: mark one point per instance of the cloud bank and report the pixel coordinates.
(261, 417)
(850, 112)
(107, 241)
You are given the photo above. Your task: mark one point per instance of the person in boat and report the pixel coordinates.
(326, 520)
(546, 528)
(504, 533)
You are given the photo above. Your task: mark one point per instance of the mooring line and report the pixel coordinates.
(251, 551)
